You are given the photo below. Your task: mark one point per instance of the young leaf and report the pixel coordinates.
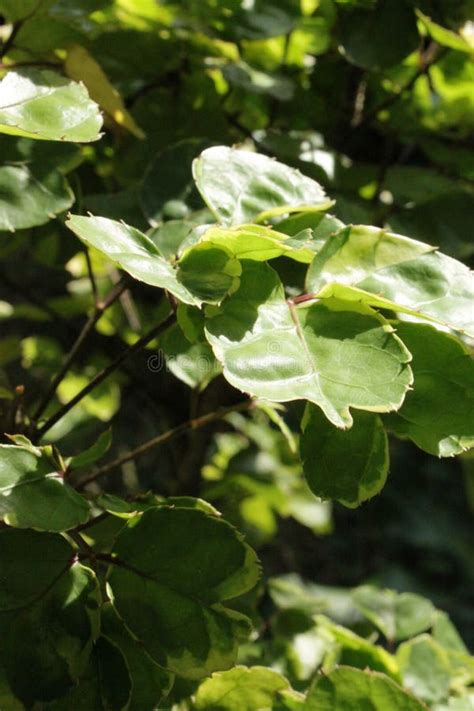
(402, 271)
(29, 196)
(45, 646)
(240, 186)
(33, 493)
(209, 272)
(346, 688)
(44, 105)
(438, 414)
(131, 250)
(337, 354)
(175, 567)
(348, 466)
(243, 689)
(95, 452)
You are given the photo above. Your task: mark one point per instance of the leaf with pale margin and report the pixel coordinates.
(348, 466)
(337, 354)
(409, 274)
(175, 567)
(131, 250)
(52, 637)
(397, 615)
(33, 493)
(438, 415)
(150, 683)
(346, 688)
(44, 105)
(243, 689)
(256, 242)
(241, 186)
(104, 686)
(29, 197)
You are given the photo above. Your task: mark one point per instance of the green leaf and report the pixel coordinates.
(14, 10)
(345, 688)
(357, 651)
(240, 186)
(438, 414)
(131, 250)
(337, 354)
(255, 242)
(409, 274)
(30, 196)
(44, 105)
(379, 38)
(445, 37)
(243, 689)
(45, 646)
(104, 686)
(175, 567)
(30, 563)
(168, 188)
(193, 363)
(209, 272)
(425, 668)
(348, 466)
(397, 615)
(100, 447)
(33, 493)
(150, 683)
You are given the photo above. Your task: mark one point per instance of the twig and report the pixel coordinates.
(165, 437)
(100, 307)
(427, 59)
(9, 43)
(105, 372)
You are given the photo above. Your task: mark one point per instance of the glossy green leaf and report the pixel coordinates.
(402, 271)
(345, 688)
(44, 105)
(33, 493)
(175, 568)
(193, 363)
(243, 689)
(45, 646)
(348, 466)
(438, 414)
(28, 198)
(337, 354)
(209, 272)
(104, 686)
(240, 186)
(381, 37)
(397, 615)
(255, 242)
(131, 250)
(150, 683)
(425, 668)
(168, 189)
(356, 651)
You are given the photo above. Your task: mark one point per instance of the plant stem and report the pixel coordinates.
(9, 43)
(165, 437)
(105, 372)
(100, 307)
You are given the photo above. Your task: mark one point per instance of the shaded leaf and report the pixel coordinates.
(193, 363)
(438, 414)
(349, 466)
(175, 569)
(95, 452)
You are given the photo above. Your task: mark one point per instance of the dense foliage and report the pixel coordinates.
(235, 294)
